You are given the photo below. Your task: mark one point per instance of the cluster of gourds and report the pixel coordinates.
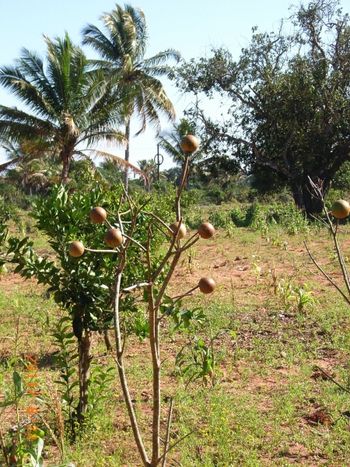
(114, 237)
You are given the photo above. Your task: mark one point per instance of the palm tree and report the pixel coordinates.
(171, 141)
(29, 165)
(122, 46)
(68, 106)
(150, 169)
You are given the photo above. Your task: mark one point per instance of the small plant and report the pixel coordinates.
(24, 442)
(294, 297)
(66, 362)
(153, 271)
(80, 282)
(101, 380)
(196, 360)
(4, 217)
(257, 268)
(340, 210)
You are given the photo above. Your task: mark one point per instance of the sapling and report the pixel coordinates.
(340, 210)
(155, 277)
(80, 281)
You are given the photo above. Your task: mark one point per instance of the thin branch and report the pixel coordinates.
(175, 444)
(188, 245)
(59, 444)
(135, 241)
(159, 220)
(178, 297)
(167, 279)
(167, 435)
(326, 275)
(191, 238)
(332, 379)
(341, 260)
(120, 343)
(334, 232)
(165, 259)
(102, 251)
(135, 286)
(180, 188)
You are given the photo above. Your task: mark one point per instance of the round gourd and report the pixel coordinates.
(182, 231)
(76, 249)
(206, 285)
(206, 230)
(189, 144)
(113, 237)
(340, 209)
(98, 215)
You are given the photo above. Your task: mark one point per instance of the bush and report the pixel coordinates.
(219, 218)
(258, 216)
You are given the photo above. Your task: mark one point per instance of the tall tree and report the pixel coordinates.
(290, 100)
(68, 106)
(122, 46)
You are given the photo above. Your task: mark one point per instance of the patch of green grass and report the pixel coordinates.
(266, 350)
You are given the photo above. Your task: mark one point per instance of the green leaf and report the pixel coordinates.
(18, 383)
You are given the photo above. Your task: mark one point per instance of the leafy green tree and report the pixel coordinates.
(30, 167)
(111, 172)
(122, 47)
(289, 107)
(84, 287)
(68, 106)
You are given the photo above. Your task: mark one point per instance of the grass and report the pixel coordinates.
(261, 410)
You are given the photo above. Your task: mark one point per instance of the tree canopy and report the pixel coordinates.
(122, 45)
(289, 97)
(67, 106)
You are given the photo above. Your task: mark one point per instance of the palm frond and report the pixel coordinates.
(162, 57)
(7, 164)
(14, 116)
(12, 79)
(100, 135)
(120, 161)
(94, 37)
(138, 19)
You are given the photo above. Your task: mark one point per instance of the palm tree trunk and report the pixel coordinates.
(127, 154)
(66, 160)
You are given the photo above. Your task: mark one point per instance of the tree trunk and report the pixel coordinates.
(107, 340)
(84, 344)
(127, 154)
(306, 199)
(66, 160)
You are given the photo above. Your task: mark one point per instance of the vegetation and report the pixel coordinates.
(289, 101)
(184, 317)
(122, 47)
(69, 106)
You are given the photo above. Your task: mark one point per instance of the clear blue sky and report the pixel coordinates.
(191, 26)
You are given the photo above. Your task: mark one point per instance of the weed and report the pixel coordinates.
(293, 296)
(24, 442)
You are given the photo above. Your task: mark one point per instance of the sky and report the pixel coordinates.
(193, 27)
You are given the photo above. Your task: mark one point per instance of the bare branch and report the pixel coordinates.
(167, 435)
(136, 286)
(326, 275)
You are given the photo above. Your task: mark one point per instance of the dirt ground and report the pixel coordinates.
(260, 362)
